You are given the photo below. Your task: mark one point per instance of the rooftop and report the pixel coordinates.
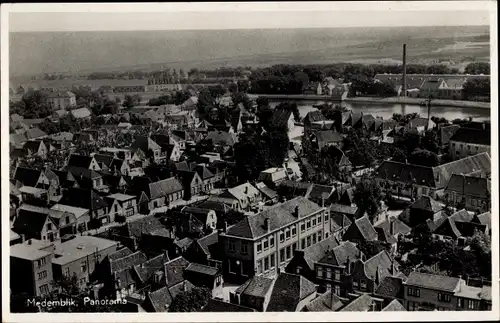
(79, 247)
(27, 252)
(430, 281)
(121, 197)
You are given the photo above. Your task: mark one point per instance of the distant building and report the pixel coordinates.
(468, 142)
(471, 191)
(129, 88)
(61, 100)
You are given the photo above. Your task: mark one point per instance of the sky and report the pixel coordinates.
(128, 17)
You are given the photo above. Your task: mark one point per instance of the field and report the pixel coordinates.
(85, 52)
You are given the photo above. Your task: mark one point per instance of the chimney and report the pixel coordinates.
(246, 189)
(267, 224)
(348, 266)
(403, 90)
(377, 276)
(184, 287)
(296, 213)
(392, 227)
(225, 226)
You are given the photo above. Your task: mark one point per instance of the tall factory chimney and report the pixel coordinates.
(403, 90)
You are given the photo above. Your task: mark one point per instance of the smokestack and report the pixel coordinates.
(404, 71)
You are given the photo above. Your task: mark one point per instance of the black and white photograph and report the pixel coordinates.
(212, 158)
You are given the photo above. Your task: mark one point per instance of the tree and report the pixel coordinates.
(477, 89)
(191, 301)
(424, 158)
(368, 196)
(440, 120)
(477, 68)
(371, 248)
(49, 127)
(287, 106)
(430, 141)
(399, 155)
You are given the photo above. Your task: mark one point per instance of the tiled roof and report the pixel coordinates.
(194, 268)
(160, 299)
(366, 228)
(207, 241)
(317, 251)
(120, 253)
(381, 261)
(409, 173)
(27, 176)
(390, 287)
(325, 303)
(184, 243)
(164, 188)
(145, 143)
(477, 163)
(280, 117)
(127, 261)
(143, 225)
(257, 286)
(79, 160)
(147, 268)
(360, 304)
(83, 198)
(81, 113)
(472, 136)
(427, 203)
(469, 185)
(279, 215)
(399, 226)
(288, 291)
(485, 218)
(175, 270)
(215, 305)
(104, 159)
(448, 132)
(34, 133)
(338, 256)
(83, 172)
(266, 191)
(242, 191)
(430, 281)
(319, 192)
(30, 222)
(33, 145)
(314, 116)
(394, 306)
(221, 137)
(485, 293)
(204, 172)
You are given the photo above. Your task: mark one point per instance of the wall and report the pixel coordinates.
(459, 150)
(429, 296)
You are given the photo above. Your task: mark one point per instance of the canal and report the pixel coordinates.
(386, 110)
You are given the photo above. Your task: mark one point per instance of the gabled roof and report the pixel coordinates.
(325, 303)
(346, 209)
(143, 225)
(204, 172)
(215, 305)
(199, 269)
(124, 260)
(365, 228)
(206, 242)
(32, 221)
(81, 113)
(390, 287)
(476, 163)
(280, 117)
(279, 215)
(83, 172)
(32, 145)
(381, 262)
(339, 222)
(160, 299)
(174, 270)
(104, 159)
(243, 191)
(472, 136)
(319, 192)
(257, 286)
(317, 251)
(221, 137)
(398, 226)
(360, 304)
(314, 116)
(469, 185)
(448, 132)
(427, 203)
(145, 143)
(409, 173)
(146, 269)
(80, 160)
(328, 136)
(27, 176)
(34, 133)
(83, 198)
(338, 256)
(431, 281)
(288, 291)
(163, 188)
(394, 306)
(120, 253)
(485, 218)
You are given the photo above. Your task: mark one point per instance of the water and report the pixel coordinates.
(386, 110)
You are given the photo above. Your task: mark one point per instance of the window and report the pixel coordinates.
(412, 306)
(320, 235)
(471, 304)
(337, 275)
(287, 234)
(282, 236)
(326, 235)
(288, 252)
(273, 262)
(259, 267)
(308, 239)
(294, 231)
(329, 273)
(41, 262)
(444, 297)
(314, 238)
(266, 264)
(271, 241)
(302, 227)
(42, 275)
(44, 289)
(259, 247)
(308, 224)
(49, 226)
(303, 244)
(336, 290)
(84, 266)
(294, 246)
(314, 222)
(129, 212)
(363, 284)
(298, 269)
(232, 246)
(282, 255)
(116, 208)
(326, 217)
(460, 303)
(414, 292)
(320, 272)
(266, 244)
(244, 248)
(319, 219)
(355, 284)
